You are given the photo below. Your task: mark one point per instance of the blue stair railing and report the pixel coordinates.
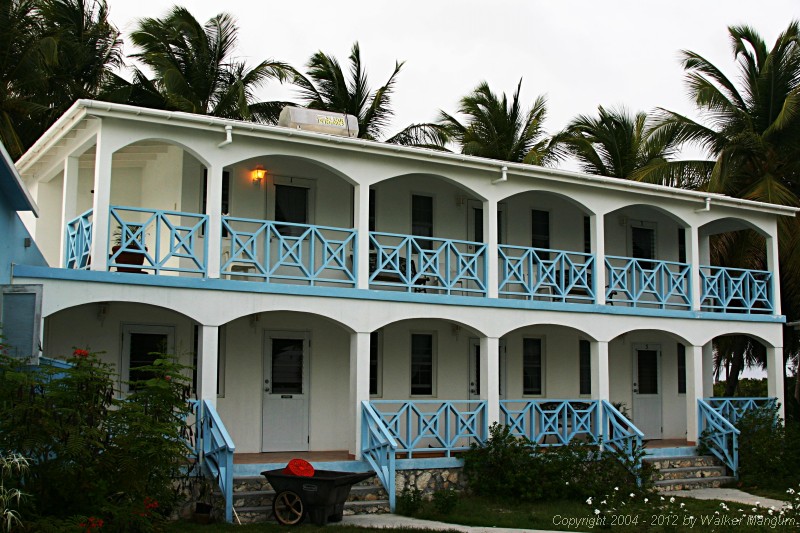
(214, 450)
(379, 449)
(719, 435)
(619, 434)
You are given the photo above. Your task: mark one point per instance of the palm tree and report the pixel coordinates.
(498, 129)
(752, 133)
(326, 87)
(194, 71)
(621, 145)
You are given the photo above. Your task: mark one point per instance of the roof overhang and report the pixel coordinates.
(11, 185)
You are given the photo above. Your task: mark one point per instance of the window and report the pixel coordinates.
(681, 245)
(375, 351)
(647, 371)
(681, 369)
(540, 229)
(643, 242)
(587, 235)
(372, 210)
(141, 346)
(531, 366)
(422, 217)
(287, 366)
(291, 205)
(585, 356)
(422, 364)
(20, 319)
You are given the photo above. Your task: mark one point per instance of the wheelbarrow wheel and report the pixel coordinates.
(287, 507)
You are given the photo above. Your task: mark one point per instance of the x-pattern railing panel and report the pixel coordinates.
(563, 420)
(79, 242)
(275, 251)
(733, 409)
(719, 434)
(736, 290)
(433, 425)
(554, 275)
(425, 263)
(648, 283)
(619, 434)
(167, 241)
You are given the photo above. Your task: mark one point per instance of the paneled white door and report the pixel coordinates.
(286, 393)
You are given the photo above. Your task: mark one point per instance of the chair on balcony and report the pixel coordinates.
(394, 277)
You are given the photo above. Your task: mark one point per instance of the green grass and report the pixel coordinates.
(273, 527)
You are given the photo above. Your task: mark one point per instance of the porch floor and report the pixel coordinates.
(284, 457)
(667, 443)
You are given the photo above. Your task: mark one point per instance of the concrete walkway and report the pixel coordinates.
(728, 495)
(393, 521)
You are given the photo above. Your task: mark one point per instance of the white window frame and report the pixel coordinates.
(125, 350)
(543, 393)
(434, 363)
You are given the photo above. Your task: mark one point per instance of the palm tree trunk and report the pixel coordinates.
(735, 364)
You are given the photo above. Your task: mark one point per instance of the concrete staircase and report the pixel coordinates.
(252, 499)
(688, 472)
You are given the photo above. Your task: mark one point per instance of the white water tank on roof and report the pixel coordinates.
(301, 118)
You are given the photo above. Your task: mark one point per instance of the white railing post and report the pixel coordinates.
(214, 212)
(693, 258)
(361, 222)
(694, 390)
(101, 204)
(597, 231)
(775, 388)
(69, 202)
(490, 224)
(490, 377)
(359, 386)
(208, 345)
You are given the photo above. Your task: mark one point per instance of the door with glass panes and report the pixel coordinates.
(647, 389)
(286, 393)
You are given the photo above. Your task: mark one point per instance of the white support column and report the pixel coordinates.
(772, 266)
(214, 212)
(490, 224)
(693, 258)
(708, 370)
(69, 201)
(207, 362)
(775, 370)
(601, 387)
(490, 376)
(101, 204)
(361, 223)
(598, 236)
(694, 389)
(359, 385)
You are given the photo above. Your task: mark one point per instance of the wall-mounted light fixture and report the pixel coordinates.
(259, 173)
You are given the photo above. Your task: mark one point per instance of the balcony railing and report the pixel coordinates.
(735, 290)
(159, 242)
(552, 422)
(553, 275)
(79, 242)
(283, 251)
(648, 283)
(426, 264)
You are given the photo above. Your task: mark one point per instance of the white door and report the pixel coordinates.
(474, 369)
(647, 389)
(286, 393)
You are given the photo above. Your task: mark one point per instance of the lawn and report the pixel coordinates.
(188, 527)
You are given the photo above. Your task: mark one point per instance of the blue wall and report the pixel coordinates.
(12, 241)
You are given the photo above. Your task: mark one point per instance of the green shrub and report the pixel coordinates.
(444, 501)
(409, 502)
(768, 452)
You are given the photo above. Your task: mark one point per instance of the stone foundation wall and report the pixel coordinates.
(430, 480)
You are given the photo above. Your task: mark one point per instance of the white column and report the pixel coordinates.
(708, 370)
(214, 212)
(100, 204)
(601, 387)
(598, 233)
(359, 385)
(490, 238)
(69, 202)
(694, 389)
(207, 361)
(693, 258)
(772, 266)
(775, 387)
(490, 376)
(361, 223)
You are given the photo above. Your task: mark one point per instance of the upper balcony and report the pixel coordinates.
(281, 208)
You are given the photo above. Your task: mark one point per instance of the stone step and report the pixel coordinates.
(661, 463)
(691, 472)
(695, 483)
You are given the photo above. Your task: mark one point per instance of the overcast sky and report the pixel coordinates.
(579, 53)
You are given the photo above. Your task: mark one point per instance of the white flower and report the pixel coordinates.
(662, 498)
(603, 502)
(758, 504)
(683, 505)
(616, 488)
(769, 512)
(589, 500)
(646, 500)
(597, 511)
(672, 499)
(632, 495)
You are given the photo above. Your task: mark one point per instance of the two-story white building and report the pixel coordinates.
(314, 277)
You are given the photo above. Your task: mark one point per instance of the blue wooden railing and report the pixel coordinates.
(79, 242)
(559, 420)
(428, 264)
(648, 283)
(735, 290)
(553, 275)
(719, 435)
(618, 432)
(433, 425)
(379, 449)
(214, 450)
(286, 251)
(732, 409)
(162, 241)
